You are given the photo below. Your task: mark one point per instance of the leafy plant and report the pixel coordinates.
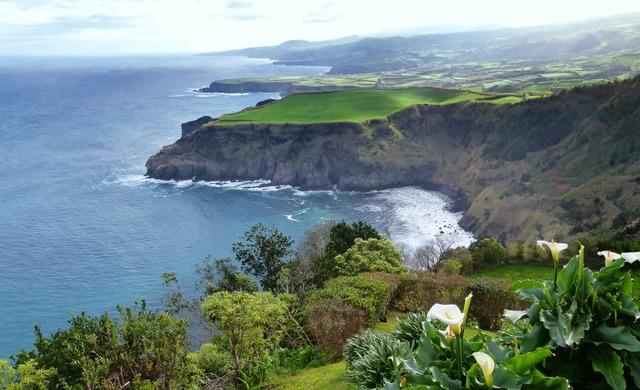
(446, 360)
(368, 358)
(372, 255)
(589, 319)
(263, 253)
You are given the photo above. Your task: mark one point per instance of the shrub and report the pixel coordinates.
(250, 324)
(490, 299)
(450, 267)
(487, 252)
(333, 321)
(368, 358)
(147, 347)
(376, 255)
(419, 291)
(371, 295)
(212, 360)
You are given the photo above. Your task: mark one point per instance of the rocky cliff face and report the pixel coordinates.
(535, 169)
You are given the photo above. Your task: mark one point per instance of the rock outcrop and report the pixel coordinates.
(534, 169)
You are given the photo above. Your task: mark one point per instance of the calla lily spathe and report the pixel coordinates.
(630, 257)
(609, 257)
(487, 365)
(449, 314)
(554, 247)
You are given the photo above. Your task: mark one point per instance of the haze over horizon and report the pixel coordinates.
(118, 27)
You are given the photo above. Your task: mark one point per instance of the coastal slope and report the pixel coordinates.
(562, 166)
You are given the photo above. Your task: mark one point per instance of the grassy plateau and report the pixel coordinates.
(352, 105)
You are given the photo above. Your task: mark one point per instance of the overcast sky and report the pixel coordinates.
(95, 27)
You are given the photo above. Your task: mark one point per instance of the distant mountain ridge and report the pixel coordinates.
(562, 166)
(354, 54)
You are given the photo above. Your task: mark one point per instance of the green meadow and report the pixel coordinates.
(349, 105)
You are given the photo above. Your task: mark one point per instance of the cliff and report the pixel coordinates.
(557, 167)
(282, 87)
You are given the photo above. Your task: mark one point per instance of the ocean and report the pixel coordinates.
(82, 229)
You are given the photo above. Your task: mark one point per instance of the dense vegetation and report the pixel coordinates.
(342, 280)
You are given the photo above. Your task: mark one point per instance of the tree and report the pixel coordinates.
(372, 255)
(342, 236)
(428, 256)
(487, 252)
(263, 253)
(250, 324)
(223, 275)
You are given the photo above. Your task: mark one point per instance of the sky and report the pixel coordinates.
(107, 27)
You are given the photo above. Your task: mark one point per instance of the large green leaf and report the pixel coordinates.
(523, 363)
(500, 354)
(547, 383)
(575, 323)
(444, 380)
(632, 360)
(550, 319)
(503, 378)
(568, 275)
(627, 306)
(618, 337)
(538, 336)
(425, 352)
(529, 289)
(607, 362)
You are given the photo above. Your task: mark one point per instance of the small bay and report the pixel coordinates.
(81, 229)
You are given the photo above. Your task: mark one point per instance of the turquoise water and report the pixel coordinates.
(81, 229)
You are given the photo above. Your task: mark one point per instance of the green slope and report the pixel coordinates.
(347, 105)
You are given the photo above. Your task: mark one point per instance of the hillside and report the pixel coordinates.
(538, 45)
(550, 167)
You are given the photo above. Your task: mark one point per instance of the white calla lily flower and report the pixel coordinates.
(630, 257)
(554, 247)
(609, 257)
(449, 314)
(487, 365)
(514, 315)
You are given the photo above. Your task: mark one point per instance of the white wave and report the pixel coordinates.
(417, 216)
(290, 218)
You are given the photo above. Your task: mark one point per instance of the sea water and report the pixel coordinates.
(82, 229)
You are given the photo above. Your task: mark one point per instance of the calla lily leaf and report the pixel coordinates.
(617, 337)
(504, 378)
(607, 362)
(523, 363)
(547, 383)
(632, 360)
(499, 353)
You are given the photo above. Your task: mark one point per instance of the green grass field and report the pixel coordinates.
(347, 105)
(515, 272)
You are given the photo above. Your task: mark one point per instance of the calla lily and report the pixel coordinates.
(609, 257)
(449, 314)
(630, 257)
(554, 247)
(448, 333)
(486, 365)
(514, 315)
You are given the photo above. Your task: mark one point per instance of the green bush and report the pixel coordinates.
(418, 291)
(212, 360)
(371, 295)
(487, 252)
(372, 255)
(333, 321)
(368, 354)
(144, 347)
(490, 299)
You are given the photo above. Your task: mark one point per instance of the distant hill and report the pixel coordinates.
(563, 166)
(354, 54)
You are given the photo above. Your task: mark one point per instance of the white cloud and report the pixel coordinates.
(49, 26)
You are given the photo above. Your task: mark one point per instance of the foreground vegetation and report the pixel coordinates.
(318, 303)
